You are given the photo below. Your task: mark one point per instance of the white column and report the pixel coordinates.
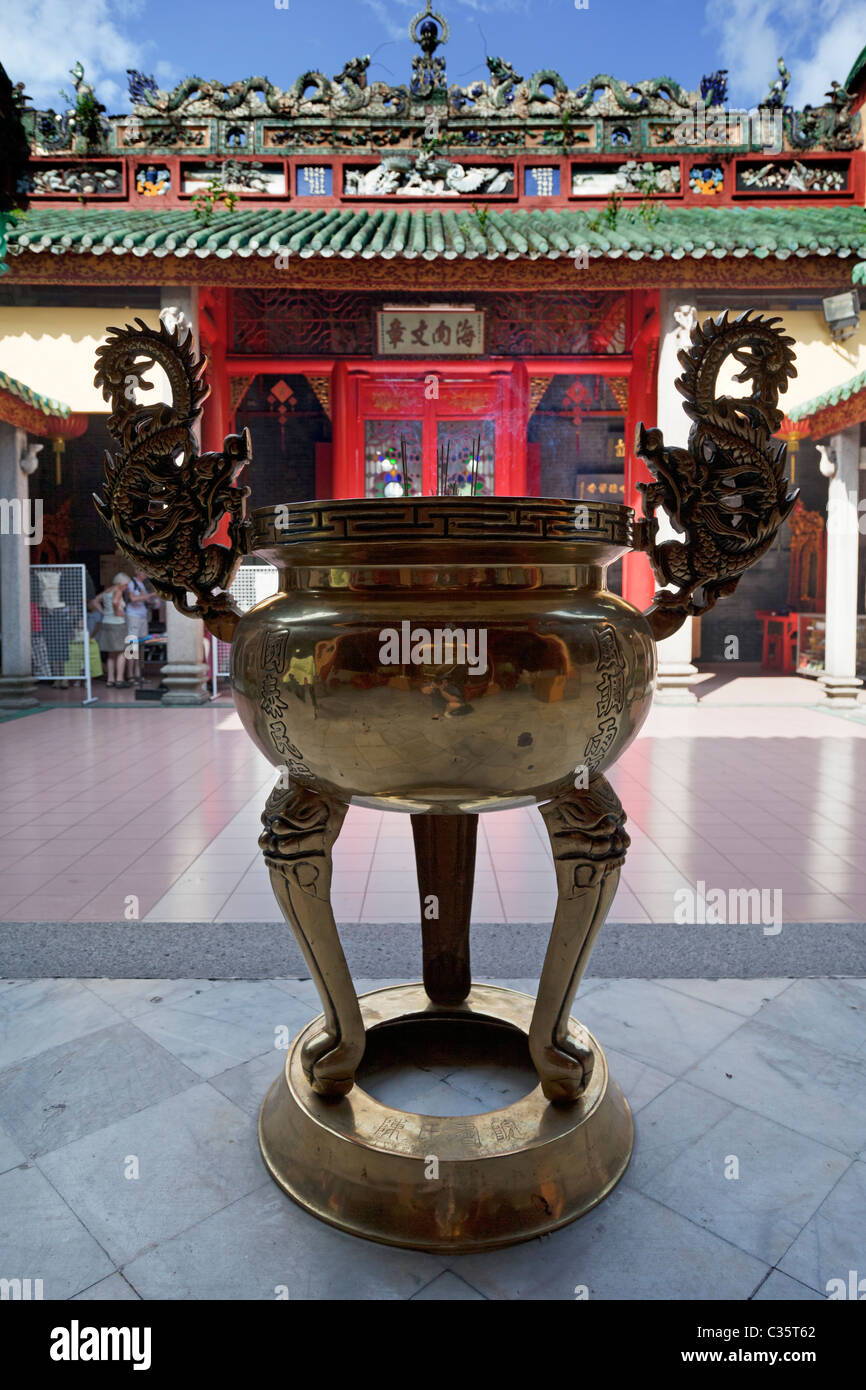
(676, 673)
(185, 673)
(17, 689)
(840, 462)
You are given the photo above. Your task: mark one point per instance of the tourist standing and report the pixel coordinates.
(112, 638)
(137, 597)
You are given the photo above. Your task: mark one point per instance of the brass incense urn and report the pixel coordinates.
(443, 657)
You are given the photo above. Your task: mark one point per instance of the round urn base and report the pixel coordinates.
(445, 1183)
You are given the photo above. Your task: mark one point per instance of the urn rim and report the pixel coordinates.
(382, 520)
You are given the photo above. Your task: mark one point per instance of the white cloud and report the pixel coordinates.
(489, 6)
(397, 27)
(818, 42)
(41, 39)
(384, 12)
(831, 58)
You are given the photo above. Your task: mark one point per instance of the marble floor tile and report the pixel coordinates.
(833, 1012)
(448, 1287)
(247, 1085)
(131, 996)
(669, 1126)
(42, 1238)
(287, 1254)
(655, 1025)
(746, 997)
(11, 1153)
(629, 1248)
(781, 1288)
(793, 1081)
(832, 1243)
(231, 1023)
(114, 1289)
(730, 1170)
(65, 1092)
(638, 1082)
(40, 1014)
(196, 1153)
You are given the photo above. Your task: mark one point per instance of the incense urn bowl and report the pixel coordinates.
(444, 654)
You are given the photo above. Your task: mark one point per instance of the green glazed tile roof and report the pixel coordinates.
(30, 397)
(449, 233)
(842, 392)
(857, 69)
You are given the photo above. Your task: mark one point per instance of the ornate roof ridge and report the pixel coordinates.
(430, 111)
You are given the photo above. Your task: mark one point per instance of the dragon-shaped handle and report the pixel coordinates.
(727, 491)
(163, 501)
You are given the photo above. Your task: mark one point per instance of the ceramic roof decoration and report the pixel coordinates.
(508, 111)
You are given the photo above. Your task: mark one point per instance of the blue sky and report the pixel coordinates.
(229, 39)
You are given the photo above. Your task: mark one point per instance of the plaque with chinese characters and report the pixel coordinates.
(430, 332)
(600, 487)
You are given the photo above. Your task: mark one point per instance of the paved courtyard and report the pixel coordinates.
(109, 814)
(129, 1165)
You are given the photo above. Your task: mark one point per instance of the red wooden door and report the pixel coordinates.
(408, 425)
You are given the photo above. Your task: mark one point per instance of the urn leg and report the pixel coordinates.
(445, 861)
(301, 827)
(588, 839)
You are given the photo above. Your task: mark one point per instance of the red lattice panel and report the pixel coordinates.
(286, 322)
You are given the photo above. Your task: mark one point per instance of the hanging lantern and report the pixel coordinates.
(281, 398)
(58, 445)
(792, 433)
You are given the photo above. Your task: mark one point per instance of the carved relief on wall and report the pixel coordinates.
(424, 176)
(634, 176)
(793, 176)
(92, 179)
(807, 582)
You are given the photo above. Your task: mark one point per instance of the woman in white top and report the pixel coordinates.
(112, 636)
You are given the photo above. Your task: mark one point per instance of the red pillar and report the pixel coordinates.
(637, 576)
(518, 424)
(213, 330)
(345, 480)
(430, 445)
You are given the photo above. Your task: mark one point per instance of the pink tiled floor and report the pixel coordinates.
(113, 814)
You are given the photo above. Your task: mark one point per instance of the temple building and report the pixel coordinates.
(493, 280)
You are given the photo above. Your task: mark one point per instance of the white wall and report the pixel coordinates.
(53, 351)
